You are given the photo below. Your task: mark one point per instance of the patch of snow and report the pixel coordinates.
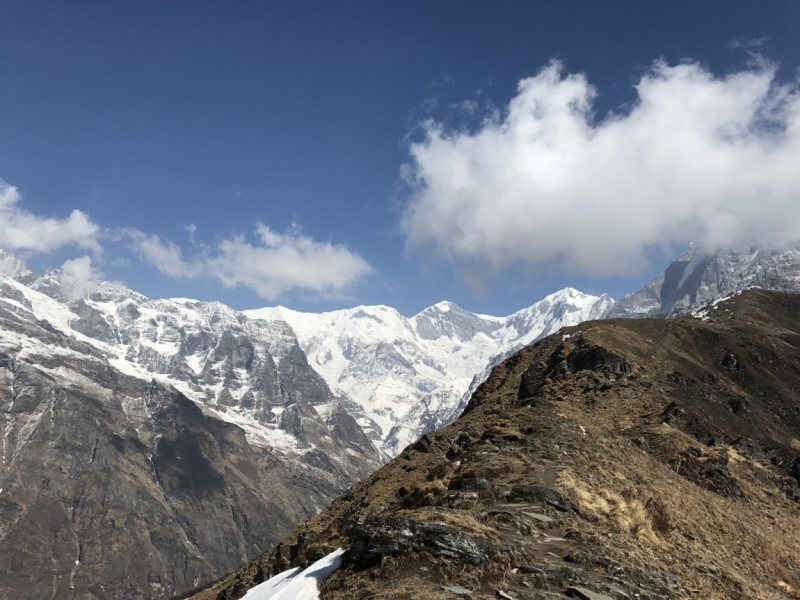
(704, 313)
(295, 584)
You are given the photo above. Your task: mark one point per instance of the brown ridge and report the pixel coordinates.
(615, 459)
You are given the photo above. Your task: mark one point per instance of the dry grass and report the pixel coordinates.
(412, 577)
(424, 494)
(655, 509)
(751, 544)
(440, 471)
(625, 510)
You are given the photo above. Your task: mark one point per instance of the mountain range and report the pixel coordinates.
(152, 445)
(697, 277)
(413, 375)
(199, 435)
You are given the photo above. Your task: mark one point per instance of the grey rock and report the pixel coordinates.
(90, 322)
(584, 594)
(698, 277)
(470, 483)
(457, 590)
(539, 493)
(556, 573)
(539, 517)
(374, 537)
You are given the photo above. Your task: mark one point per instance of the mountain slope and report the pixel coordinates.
(409, 376)
(644, 458)
(149, 446)
(698, 277)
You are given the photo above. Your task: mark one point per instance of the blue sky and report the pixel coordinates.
(254, 152)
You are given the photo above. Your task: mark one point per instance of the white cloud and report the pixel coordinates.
(281, 262)
(163, 255)
(698, 157)
(79, 277)
(23, 231)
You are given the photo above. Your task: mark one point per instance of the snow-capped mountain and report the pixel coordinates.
(698, 277)
(152, 445)
(248, 372)
(412, 375)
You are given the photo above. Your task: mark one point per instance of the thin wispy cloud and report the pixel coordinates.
(79, 277)
(164, 255)
(696, 158)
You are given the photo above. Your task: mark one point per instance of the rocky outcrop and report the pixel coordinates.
(373, 538)
(698, 277)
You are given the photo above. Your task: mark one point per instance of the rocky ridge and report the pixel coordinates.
(698, 277)
(626, 458)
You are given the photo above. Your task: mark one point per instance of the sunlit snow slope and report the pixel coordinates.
(412, 375)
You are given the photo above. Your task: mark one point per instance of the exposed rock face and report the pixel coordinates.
(373, 538)
(698, 277)
(646, 458)
(149, 446)
(242, 371)
(409, 376)
(115, 488)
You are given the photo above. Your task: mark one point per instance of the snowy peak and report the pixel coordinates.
(246, 372)
(554, 311)
(271, 370)
(12, 266)
(412, 375)
(446, 319)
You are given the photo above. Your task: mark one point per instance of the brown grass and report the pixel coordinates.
(656, 510)
(463, 521)
(625, 510)
(440, 471)
(425, 494)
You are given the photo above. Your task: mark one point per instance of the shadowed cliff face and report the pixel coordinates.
(615, 459)
(116, 488)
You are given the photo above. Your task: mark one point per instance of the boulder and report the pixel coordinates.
(371, 538)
